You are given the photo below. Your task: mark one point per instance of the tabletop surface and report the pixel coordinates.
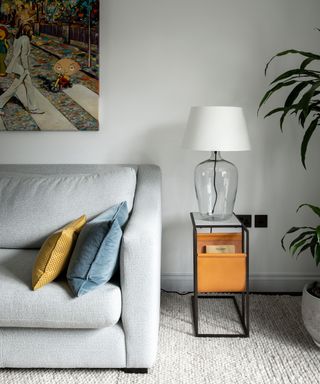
(199, 221)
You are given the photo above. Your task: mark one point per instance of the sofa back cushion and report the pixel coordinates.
(32, 206)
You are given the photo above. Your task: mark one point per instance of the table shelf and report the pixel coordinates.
(226, 270)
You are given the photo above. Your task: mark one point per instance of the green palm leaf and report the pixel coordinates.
(297, 73)
(292, 230)
(295, 93)
(318, 234)
(292, 51)
(306, 62)
(302, 117)
(286, 111)
(305, 100)
(304, 248)
(300, 237)
(313, 246)
(308, 239)
(312, 108)
(317, 254)
(306, 138)
(273, 111)
(298, 245)
(274, 89)
(314, 208)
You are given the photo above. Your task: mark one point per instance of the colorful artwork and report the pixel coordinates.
(49, 65)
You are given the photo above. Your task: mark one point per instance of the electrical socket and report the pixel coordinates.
(246, 220)
(261, 221)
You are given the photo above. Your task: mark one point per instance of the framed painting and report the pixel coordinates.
(49, 65)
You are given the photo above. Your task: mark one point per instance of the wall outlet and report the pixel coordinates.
(261, 221)
(246, 220)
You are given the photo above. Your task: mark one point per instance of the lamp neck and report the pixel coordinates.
(215, 156)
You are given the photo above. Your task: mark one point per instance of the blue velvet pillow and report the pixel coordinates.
(95, 255)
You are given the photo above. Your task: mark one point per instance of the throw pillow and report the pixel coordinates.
(54, 254)
(95, 255)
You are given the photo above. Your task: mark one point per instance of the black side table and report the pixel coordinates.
(208, 267)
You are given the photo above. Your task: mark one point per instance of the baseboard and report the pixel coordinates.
(275, 282)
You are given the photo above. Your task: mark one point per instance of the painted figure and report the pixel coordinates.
(20, 68)
(65, 68)
(24, 15)
(4, 46)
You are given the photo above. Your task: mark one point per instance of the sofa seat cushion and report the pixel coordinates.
(53, 306)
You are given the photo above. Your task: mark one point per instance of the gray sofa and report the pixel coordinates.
(114, 326)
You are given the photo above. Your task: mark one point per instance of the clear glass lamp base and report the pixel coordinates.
(216, 182)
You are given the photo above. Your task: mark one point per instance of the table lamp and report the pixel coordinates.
(216, 129)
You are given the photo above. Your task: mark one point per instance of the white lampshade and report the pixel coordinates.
(216, 129)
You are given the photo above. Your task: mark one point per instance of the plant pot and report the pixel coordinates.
(311, 314)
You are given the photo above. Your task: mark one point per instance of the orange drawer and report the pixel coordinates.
(221, 272)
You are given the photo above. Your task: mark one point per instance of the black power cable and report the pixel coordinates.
(214, 182)
(178, 293)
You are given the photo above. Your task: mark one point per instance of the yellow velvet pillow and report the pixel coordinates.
(55, 253)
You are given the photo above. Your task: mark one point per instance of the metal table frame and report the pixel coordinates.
(244, 312)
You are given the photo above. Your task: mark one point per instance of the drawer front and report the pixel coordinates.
(221, 272)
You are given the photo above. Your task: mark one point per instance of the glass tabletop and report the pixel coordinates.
(199, 221)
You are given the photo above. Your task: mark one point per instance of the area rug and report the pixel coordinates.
(279, 349)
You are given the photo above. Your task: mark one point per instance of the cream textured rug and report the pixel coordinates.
(278, 351)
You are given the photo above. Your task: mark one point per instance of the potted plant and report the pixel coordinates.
(308, 239)
(303, 102)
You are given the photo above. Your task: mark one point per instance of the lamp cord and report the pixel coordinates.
(214, 182)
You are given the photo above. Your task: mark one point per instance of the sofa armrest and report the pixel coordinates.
(140, 264)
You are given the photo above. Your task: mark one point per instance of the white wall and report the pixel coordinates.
(158, 59)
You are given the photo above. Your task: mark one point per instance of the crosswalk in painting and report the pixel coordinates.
(49, 65)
